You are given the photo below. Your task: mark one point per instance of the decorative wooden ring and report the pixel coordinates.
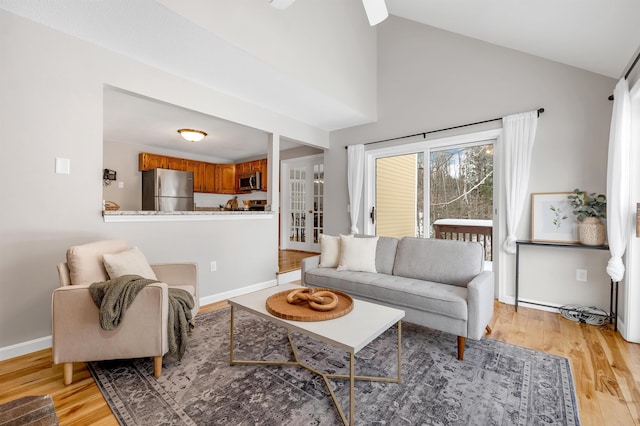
(322, 306)
(295, 296)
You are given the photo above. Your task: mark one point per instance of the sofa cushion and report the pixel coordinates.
(444, 261)
(85, 261)
(128, 262)
(426, 296)
(385, 253)
(330, 250)
(357, 254)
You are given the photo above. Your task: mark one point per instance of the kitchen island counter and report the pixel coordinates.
(182, 216)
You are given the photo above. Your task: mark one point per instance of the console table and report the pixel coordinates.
(613, 311)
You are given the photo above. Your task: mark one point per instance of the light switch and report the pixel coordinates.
(63, 165)
(120, 184)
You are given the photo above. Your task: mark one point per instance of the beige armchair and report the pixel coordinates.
(77, 335)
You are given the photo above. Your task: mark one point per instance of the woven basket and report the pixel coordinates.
(278, 306)
(111, 205)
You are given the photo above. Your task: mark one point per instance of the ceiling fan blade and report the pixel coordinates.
(376, 11)
(281, 4)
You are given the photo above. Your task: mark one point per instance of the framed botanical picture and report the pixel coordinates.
(552, 218)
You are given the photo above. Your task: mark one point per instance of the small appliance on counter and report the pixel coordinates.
(167, 190)
(256, 205)
(252, 205)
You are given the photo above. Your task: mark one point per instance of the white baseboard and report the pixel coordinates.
(24, 348)
(35, 345)
(288, 277)
(236, 292)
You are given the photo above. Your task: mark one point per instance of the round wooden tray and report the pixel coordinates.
(278, 306)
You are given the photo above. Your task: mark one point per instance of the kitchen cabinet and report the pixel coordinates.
(177, 164)
(148, 161)
(210, 177)
(197, 167)
(207, 177)
(255, 166)
(243, 167)
(225, 179)
(264, 170)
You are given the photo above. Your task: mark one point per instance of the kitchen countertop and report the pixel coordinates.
(156, 216)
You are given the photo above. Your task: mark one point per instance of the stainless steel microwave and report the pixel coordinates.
(250, 181)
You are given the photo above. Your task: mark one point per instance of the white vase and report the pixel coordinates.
(591, 232)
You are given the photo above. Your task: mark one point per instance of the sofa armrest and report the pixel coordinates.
(480, 298)
(77, 335)
(307, 264)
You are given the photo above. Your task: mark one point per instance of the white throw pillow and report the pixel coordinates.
(330, 250)
(358, 254)
(128, 262)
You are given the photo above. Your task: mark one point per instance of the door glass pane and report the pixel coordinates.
(298, 207)
(397, 199)
(461, 194)
(318, 201)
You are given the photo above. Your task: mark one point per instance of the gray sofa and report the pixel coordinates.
(439, 284)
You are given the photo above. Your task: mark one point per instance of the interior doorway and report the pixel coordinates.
(302, 212)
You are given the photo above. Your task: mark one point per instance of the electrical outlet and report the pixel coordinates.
(214, 266)
(581, 275)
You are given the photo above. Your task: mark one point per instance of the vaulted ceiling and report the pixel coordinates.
(595, 35)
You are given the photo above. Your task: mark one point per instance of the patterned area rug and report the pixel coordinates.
(35, 410)
(496, 384)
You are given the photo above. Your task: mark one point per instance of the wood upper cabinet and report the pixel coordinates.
(210, 177)
(264, 170)
(243, 167)
(197, 167)
(225, 179)
(148, 161)
(177, 164)
(207, 177)
(255, 166)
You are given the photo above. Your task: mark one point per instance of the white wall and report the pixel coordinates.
(51, 106)
(430, 79)
(344, 58)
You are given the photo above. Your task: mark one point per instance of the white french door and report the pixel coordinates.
(301, 222)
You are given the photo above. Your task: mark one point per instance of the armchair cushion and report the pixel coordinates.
(85, 261)
(128, 262)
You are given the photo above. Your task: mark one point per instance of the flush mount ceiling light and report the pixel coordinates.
(192, 135)
(376, 9)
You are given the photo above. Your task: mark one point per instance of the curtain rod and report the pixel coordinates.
(635, 61)
(540, 111)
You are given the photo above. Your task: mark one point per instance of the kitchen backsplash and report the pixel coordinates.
(215, 200)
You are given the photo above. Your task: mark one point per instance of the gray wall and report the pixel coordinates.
(430, 79)
(51, 106)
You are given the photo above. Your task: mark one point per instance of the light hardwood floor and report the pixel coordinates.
(606, 369)
(289, 260)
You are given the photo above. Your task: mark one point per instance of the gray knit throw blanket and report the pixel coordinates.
(114, 297)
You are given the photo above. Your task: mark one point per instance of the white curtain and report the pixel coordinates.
(618, 176)
(519, 132)
(355, 179)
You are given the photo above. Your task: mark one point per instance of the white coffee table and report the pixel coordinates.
(351, 332)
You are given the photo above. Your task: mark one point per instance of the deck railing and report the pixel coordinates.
(466, 230)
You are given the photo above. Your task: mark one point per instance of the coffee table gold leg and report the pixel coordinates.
(352, 380)
(231, 338)
(399, 352)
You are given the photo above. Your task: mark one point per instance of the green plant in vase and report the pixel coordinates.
(589, 210)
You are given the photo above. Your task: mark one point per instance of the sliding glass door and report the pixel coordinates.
(406, 194)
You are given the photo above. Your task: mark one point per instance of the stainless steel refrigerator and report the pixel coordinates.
(167, 190)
